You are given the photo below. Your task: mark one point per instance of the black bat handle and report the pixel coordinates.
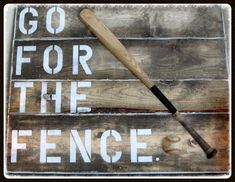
(210, 152)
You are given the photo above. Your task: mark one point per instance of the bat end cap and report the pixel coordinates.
(85, 11)
(211, 154)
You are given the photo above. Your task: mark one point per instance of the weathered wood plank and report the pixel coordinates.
(171, 59)
(125, 96)
(213, 127)
(226, 14)
(132, 21)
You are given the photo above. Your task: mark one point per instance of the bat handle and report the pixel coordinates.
(210, 152)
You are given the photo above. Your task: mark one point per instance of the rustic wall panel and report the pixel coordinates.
(183, 48)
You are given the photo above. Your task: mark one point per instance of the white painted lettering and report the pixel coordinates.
(20, 59)
(75, 141)
(83, 59)
(14, 142)
(56, 97)
(22, 86)
(33, 23)
(44, 146)
(74, 97)
(61, 20)
(103, 146)
(46, 59)
(135, 145)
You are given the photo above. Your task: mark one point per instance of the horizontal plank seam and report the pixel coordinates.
(113, 114)
(133, 172)
(124, 80)
(121, 38)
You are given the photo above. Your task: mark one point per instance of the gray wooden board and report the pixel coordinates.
(127, 96)
(132, 21)
(213, 127)
(160, 59)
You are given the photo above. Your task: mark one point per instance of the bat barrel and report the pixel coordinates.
(110, 41)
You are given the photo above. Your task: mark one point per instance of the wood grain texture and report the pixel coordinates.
(214, 127)
(110, 41)
(133, 21)
(129, 96)
(227, 23)
(160, 59)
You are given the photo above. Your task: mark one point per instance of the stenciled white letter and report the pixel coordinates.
(14, 142)
(44, 146)
(75, 141)
(135, 145)
(103, 146)
(23, 86)
(46, 59)
(33, 23)
(56, 97)
(83, 59)
(74, 97)
(49, 21)
(20, 59)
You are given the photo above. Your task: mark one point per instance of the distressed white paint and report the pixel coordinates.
(83, 146)
(46, 59)
(135, 145)
(83, 109)
(74, 97)
(22, 86)
(103, 146)
(33, 23)
(83, 59)
(20, 59)
(44, 146)
(50, 13)
(14, 142)
(75, 141)
(56, 97)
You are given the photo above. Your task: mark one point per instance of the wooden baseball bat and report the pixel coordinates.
(110, 41)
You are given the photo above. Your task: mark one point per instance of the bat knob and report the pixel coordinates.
(211, 153)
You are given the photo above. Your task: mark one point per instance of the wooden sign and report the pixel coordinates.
(75, 110)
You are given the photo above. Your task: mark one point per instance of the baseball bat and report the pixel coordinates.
(110, 41)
